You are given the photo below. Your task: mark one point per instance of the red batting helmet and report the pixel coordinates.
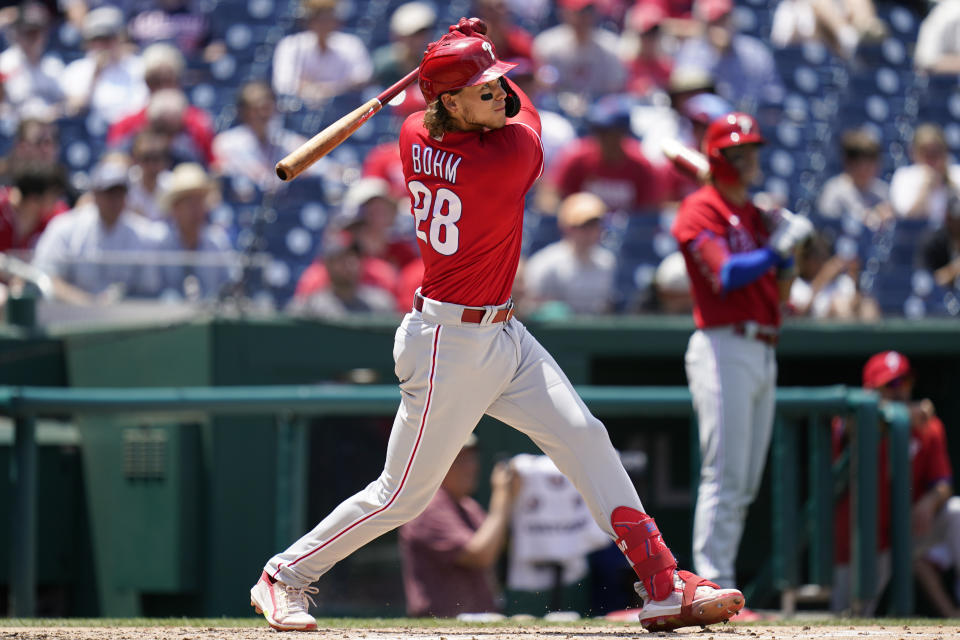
(456, 61)
(885, 367)
(731, 130)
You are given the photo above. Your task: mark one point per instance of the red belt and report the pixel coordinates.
(474, 316)
(757, 332)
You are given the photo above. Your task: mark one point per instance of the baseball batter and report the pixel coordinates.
(468, 162)
(733, 253)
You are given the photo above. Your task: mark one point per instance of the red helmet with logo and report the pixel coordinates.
(731, 130)
(456, 61)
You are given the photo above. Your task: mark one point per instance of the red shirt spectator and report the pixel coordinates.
(197, 125)
(374, 271)
(383, 161)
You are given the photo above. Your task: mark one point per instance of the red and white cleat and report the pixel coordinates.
(284, 607)
(695, 602)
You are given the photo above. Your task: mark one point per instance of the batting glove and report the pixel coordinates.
(791, 230)
(470, 27)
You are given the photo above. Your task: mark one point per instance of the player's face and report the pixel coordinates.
(478, 107)
(746, 159)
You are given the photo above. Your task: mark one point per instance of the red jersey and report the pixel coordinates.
(197, 125)
(8, 238)
(929, 465)
(467, 191)
(631, 184)
(708, 229)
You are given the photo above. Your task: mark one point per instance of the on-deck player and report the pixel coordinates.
(459, 354)
(733, 253)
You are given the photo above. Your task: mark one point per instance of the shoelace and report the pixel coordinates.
(302, 595)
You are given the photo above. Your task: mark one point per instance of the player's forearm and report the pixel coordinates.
(742, 269)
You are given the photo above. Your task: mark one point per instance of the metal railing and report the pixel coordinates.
(25, 404)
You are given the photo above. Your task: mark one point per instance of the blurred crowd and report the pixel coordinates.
(139, 139)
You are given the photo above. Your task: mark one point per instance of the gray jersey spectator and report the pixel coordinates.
(857, 193)
(923, 189)
(253, 147)
(30, 73)
(742, 66)
(320, 62)
(577, 56)
(199, 268)
(99, 246)
(575, 271)
(938, 42)
(344, 293)
(108, 80)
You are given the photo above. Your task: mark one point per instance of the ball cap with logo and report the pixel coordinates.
(885, 367)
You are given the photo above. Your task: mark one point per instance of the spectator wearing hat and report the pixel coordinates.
(99, 246)
(935, 511)
(344, 291)
(577, 56)
(648, 68)
(320, 62)
(449, 551)
(31, 74)
(610, 163)
(938, 41)
(857, 193)
(940, 251)
(253, 148)
(923, 189)
(29, 204)
(163, 70)
(108, 80)
(576, 271)
(411, 28)
(368, 212)
(202, 248)
(741, 66)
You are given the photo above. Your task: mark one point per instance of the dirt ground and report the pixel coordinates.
(584, 632)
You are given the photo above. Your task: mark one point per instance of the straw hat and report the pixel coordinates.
(188, 177)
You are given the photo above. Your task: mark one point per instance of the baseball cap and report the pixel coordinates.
(710, 10)
(360, 193)
(109, 173)
(646, 15)
(32, 15)
(580, 208)
(684, 79)
(412, 17)
(884, 367)
(102, 22)
(704, 108)
(610, 112)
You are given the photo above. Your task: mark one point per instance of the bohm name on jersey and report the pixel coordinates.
(428, 161)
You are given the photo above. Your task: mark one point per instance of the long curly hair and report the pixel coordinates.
(437, 120)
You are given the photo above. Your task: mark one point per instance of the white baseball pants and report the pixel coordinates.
(733, 382)
(451, 374)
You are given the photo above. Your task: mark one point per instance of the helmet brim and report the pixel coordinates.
(492, 72)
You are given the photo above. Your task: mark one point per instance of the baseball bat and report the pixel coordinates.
(688, 160)
(298, 160)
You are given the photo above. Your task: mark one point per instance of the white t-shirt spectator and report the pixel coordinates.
(345, 62)
(594, 68)
(839, 292)
(905, 189)
(840, 198)
(23, 81)
(939, 34)
(118, 91)
(240, 153)
(78, 249)
(554, 273)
